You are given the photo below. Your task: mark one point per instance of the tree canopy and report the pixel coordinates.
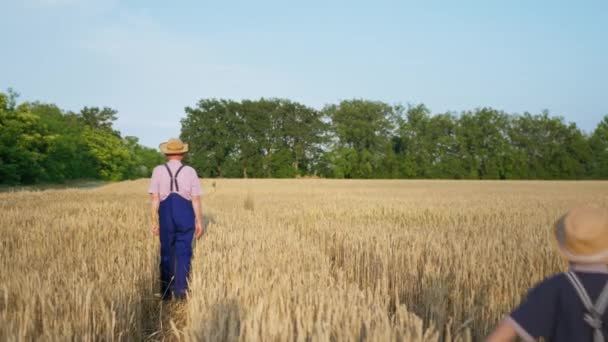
(264, 138)
(280, 138)
(39, 142)
(370, 139)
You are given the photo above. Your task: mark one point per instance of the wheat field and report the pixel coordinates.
(283, 260)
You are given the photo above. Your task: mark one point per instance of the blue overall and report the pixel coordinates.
(176, 217)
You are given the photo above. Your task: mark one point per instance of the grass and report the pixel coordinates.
(316, 260)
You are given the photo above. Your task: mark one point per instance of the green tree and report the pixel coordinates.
(97, 118)
(549, 148)
(41, 143)
(427, 146)
(67, 157)
(298, 135)
(256, 136)
(281, 138)
(210, 128)
(484, 144)
(112, 158)
(445, 149)
(599, 147)
(361, 133)
(24, 142)
(261, 138)
(412, 144)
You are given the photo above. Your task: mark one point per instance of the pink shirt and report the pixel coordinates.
(189, 184)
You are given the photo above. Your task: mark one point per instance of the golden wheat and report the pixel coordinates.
(321, 260)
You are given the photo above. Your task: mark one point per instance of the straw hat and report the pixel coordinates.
(582, 235)
(173, 146)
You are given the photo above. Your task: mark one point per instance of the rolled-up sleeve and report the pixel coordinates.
(195, 188)
(154, 187)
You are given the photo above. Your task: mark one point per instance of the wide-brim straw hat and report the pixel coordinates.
(173, 146)
(582, 235)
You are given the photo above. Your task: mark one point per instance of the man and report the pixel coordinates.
(175, 192)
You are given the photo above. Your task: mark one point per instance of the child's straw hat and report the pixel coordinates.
(173, 146)
(582, 235)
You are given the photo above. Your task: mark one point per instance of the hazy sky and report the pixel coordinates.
(149, 59)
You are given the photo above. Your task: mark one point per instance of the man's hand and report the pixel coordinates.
(196, 206)
(198, 230)
(155, 229)
(155, 201)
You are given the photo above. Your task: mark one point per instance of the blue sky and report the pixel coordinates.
(149, 59)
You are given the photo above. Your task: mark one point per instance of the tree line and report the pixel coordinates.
(40, 142)
(370, 139)
(279, 138)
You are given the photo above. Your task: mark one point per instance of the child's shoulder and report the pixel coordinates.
(562, 278)
(550, 285)
(556, 278)
(553, 278)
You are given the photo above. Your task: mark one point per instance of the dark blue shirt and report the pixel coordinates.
(553, 310)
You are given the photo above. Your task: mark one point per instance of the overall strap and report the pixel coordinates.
(170, 175)
(176, 174)
(174, 179)
(594, 314)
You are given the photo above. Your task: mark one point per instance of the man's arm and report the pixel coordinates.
(155, 201)
(196, 205)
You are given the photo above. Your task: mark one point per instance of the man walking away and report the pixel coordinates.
(175, 192)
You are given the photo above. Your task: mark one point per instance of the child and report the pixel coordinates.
(569, 306)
